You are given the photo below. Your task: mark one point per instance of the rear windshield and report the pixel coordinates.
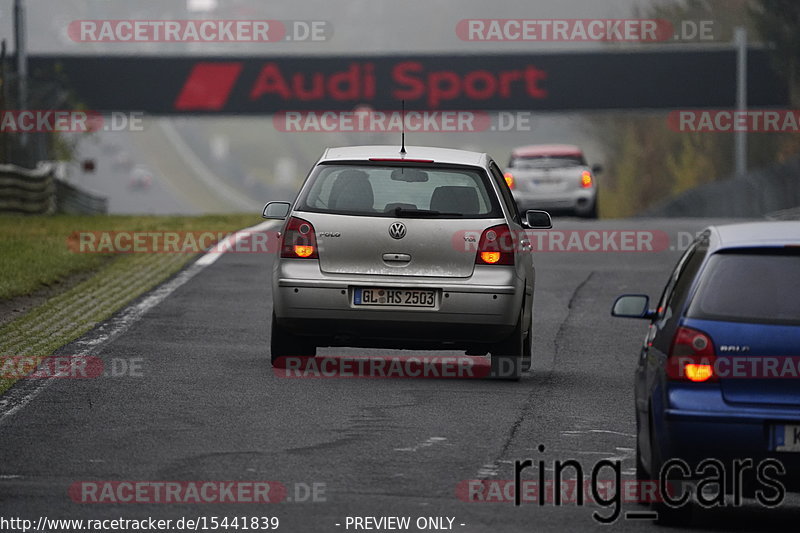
(400, 192)
(753, 286)
(547, 161)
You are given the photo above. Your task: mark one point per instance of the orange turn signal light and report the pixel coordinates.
(698, 373)
(490, 257)
(586, 179)
(303, 251)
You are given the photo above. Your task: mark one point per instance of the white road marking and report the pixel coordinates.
(488, 470)
(15, 399)
(575, 433)
(620, 453)
(429, 442)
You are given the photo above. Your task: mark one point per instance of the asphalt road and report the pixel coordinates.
(206, 405)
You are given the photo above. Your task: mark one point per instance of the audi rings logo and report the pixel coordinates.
(397, 230)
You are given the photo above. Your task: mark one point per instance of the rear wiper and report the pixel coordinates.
(411, 213)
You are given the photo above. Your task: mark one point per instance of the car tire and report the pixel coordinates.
(667, 515)
(527, 357)
(593, 212)
(527, 350)
(284, 345)
(642, 474)
(507, 356)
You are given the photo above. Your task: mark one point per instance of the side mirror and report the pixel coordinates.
(276, 210)
(597, 169)
(633, 306)
(538, 219)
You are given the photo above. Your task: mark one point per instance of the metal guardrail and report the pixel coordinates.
(74, 201)
(27, 191)
(40, 192)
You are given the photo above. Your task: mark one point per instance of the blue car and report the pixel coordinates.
(717, 383)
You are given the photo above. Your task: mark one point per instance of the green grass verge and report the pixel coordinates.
(34, 255)
(34, 252)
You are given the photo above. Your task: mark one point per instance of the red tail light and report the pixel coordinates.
(299, 240)
(692, 356)
(509, 179)
(586, 179)
(496, 246)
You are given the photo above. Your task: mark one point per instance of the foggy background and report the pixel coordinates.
(197, 165)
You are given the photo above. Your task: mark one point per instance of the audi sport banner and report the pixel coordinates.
(663, 79)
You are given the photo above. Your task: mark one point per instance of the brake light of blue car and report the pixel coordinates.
(692, 357)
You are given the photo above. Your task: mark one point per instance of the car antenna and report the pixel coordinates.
(403, 127)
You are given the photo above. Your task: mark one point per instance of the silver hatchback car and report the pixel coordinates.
(411, 248)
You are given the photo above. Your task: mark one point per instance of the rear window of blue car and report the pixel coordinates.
(761, 286)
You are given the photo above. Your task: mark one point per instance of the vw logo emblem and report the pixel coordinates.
(397, 230)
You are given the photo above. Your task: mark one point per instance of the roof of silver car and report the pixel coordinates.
(555, 150)
(777, 233)
(439, 155)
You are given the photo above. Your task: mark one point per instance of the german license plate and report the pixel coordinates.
(787, 438)
(394, 297)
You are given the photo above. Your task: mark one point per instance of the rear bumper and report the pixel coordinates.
(577, 200)
(695, 438)
(726, 432)
(407, 334)
(482, 309)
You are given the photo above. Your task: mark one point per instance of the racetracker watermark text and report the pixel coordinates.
(416, 367)
(199, 31)
(68, 121)
(536, 241)
(584, 30)
(371, 121)
(177, 492)
(76, 367)
(731, 121)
